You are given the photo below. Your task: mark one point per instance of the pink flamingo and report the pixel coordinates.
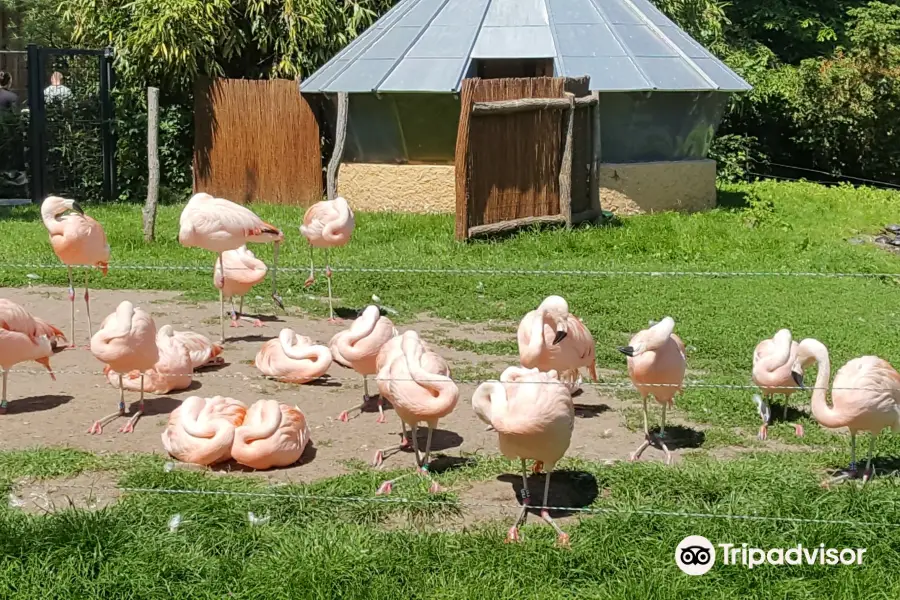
(217, 225)
(172, 371)
(126, 342)
(273, 434)
(293, 358)
(533, 415)
(53, 333)
(20, 341)
(391, 350)
(77, 240)
(656, 365)
(421, 390)
(327, 224)
(550, 337)
(200, 431)
(772, 363)
(865, 396)
(204, 353)
(242, 271)
(359, 346)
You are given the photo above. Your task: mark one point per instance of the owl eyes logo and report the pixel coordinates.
(695, 555)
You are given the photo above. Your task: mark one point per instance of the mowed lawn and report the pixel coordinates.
(353, 549)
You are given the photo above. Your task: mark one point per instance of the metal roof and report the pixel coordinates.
(428, 46)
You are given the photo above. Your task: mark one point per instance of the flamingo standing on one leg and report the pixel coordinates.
(200, 431)
(772, 362)
(242, 271)
(391, 350)
(203, 352)
(126, 342)
(172, 371)
(865, 396)
(218, 225)
(656, 365)
(20, 341)
(533, 415)
(273, 434)
(550, 337)
(421, 391)
(293, 358)
(359, 346)
(327, 224)
(77, 240)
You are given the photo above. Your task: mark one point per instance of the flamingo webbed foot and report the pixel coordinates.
(257, 323)
(309, 281)
(798, 430)
(379, 459)
(512, 535)
(384, 489)
(435, 488)
(235, 323)
(562, 540)
(868, 474)
(127, 428)
(344, 417)
(96, 428)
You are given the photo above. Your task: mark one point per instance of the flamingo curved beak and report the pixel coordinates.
(560, 336)
(627, 350)
(798, 379)
(77, 208)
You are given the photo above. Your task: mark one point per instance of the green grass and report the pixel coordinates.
(348, 549)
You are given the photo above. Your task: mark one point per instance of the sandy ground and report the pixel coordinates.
(47, 413)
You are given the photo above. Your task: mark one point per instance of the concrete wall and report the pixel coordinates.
(625, 189)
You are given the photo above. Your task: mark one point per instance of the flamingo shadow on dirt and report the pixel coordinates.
(885, 467)
(793, 414)
(589, 411)
(568, 489)
(678, 437)
(154, 405)
(211, 368)
(254, 337)
(18, 406)
(326, 381)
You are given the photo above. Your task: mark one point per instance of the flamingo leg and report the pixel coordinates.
(765, 413)
(87, 304)
(662, 433)
(345, 416)
(275, 297)
(513, 534)
(240, 316)
(222, 298)
(562, 537)
(380, 455)
(129, 426)
(331, 319)
(97, 427)
(72, 303)
(850, 473)
(798, 428)
(387, 486)
(234, 315)
(640, 450)
(3, 403)
(312, 270)
(869, 472)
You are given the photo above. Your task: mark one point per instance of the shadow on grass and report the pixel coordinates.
(732, 201)
(568, 490)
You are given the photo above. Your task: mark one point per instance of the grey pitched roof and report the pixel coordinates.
(428, 45)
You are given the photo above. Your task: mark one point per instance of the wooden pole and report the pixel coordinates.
(152, 164)
(595, 154)
(508, 107)
(340, 136)
(565, 171)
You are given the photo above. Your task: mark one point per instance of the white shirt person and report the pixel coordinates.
(56, 90)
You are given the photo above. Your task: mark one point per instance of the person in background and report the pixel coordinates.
(56, 89)
(11, 151)
(9, 101)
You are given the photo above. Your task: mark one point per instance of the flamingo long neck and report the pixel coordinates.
(489, 401)
(192, 424)
(344, 216)
(824, 414)
(364, 325)
(536, 343)
(659, 334)
(268, 424)
(124, 318)
(49, 217)
(438, 384)
(781, 354)
(297, 351)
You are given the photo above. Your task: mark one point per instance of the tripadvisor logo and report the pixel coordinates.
(696, 555)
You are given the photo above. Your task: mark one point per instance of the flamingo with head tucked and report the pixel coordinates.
(204, 353)
(865, 396)
(200, 431)
(242, 271)
(293, 358)
(773, 360)
(656, 365)
(533, 415)
(273, 434)
(327, 224)
(551, 338)
(21, 340)
(77, 240)
(126, 342)
(217, 225)
(359, 346)
(421, 390)
(172, 371)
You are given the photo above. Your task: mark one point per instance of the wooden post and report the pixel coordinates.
(340, 136)
(565, 170)
(152, 164)
(596, 147)
(461, 159)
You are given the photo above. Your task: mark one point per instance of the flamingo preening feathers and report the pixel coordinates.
(656, 365)
(773, 360)
(77, 240)
(200, 431)
(242, 270)
(293, 358)
(218, 225)
(358, 346)
(865, 396)
(551, 338)
(21, 340)
(273, 434)
(533, 415)
(126, 342)
(327, 224)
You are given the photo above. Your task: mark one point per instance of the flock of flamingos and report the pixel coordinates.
(530, 406)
